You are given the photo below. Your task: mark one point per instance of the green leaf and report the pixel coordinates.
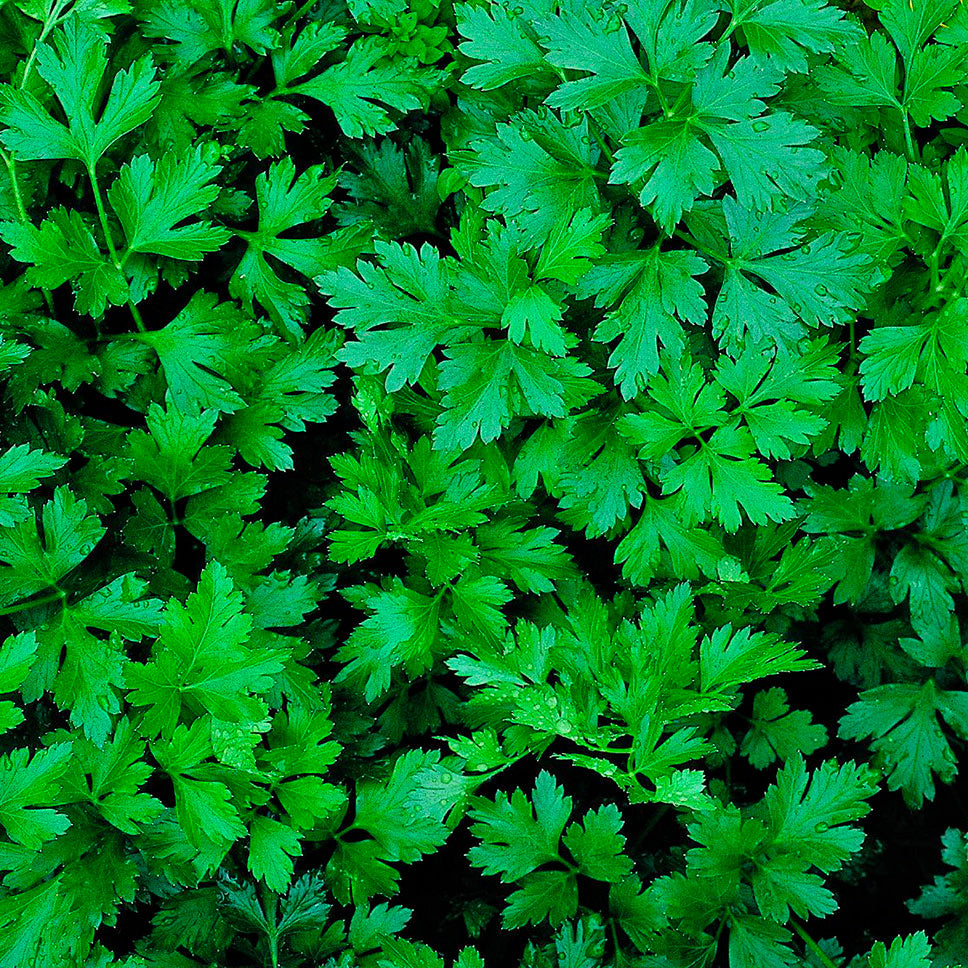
(402, 629)
(516, 835)
(410, 291)
(655, 292)
(813, 814)
(32, 559)
(543, 894)
(784, 32)
(203, 803)
(597, 845)
(74, 67)
(930, 351)
(817, 284)
(203, 661)
(197, 348)
(21, 471)
(28, 790)
(725, 479)
(173, 457)
(63, 250)
(197, 29)
(404, 815)
(902, 721)
(778, 732)
(583, 42)
(498, 38)
(673, 165)
(357, 89)
(110, 778)
(272, 847)
(17, 655)
(153, 200)
(285, 202)
(573, 246)
(537, 168)
(755, 943)
(777, 397)
(914, 951)
(290, 394)
(486, 384)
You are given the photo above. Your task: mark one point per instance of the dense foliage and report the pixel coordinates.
(483, 484)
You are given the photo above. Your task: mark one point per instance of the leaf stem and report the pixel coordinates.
(22, 212)
(600, 138)
(715, 256)
(304, 9)
(908, 139)
(11, 163)
(15, 187)
(33, 603)
(112, 251)
(935, 270)
(822, 955)
(663, 103)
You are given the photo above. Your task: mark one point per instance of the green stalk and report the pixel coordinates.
(304, 9)
(112, 251)
(908, 138)
(600, 138)
(25, 606)
(9, 161)
(823, 957)
(715, 256)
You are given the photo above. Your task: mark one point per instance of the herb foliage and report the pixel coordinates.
(517, 446)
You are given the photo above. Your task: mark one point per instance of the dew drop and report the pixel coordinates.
(821, 828)
(821, 290)
(805, 250)
(445, 778)
(761, 126)
(854, 240)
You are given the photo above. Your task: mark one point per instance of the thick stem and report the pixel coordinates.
(109, 241)
(908, 138)
(22, 211)
(715, 256)
(600, 138)
(822, 955)
(33, 603)
(301, 11)
(12, 164)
